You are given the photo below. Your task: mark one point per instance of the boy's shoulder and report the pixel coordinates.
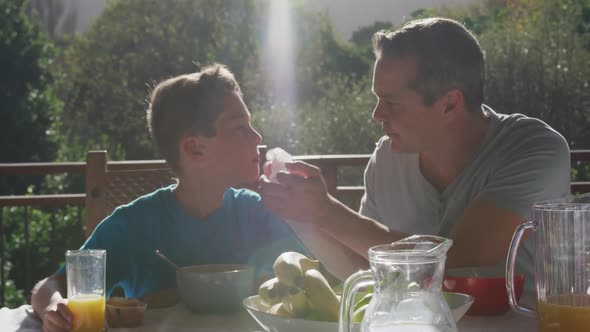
(242, 197)
(147, 203)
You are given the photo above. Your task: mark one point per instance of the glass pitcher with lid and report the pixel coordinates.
(407, 276)
(561, 235)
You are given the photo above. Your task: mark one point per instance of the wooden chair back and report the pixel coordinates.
(111, 185)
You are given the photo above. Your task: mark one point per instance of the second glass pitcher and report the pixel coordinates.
(561, 233)
(407, 277)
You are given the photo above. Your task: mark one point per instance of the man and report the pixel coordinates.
(448, 165)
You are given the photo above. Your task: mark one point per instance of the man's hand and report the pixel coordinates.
(300, 195)
(58, 317)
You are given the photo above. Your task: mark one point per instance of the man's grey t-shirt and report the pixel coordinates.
(521, 161)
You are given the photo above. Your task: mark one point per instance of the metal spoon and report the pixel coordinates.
(165, 259)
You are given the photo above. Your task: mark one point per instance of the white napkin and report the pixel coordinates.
(21, 319)
(277, 158)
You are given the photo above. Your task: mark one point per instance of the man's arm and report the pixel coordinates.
(338, 259)
(303, 197)
(48, 301)
(482, 235)
(360, 233)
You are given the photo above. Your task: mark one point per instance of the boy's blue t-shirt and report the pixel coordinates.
(241, 231)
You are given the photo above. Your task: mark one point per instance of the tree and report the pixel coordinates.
(29, 105)
(28, 100)
(109, 71)
(537, 56)
(537, 64)
(362, 36)
(476, 16)
(55, 17)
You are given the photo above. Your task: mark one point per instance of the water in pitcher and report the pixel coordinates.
(407, 277)
(407, 327)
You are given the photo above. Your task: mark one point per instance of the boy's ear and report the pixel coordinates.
(193, 147)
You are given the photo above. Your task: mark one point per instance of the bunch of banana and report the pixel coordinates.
(299, 290)
(321, 296)
(290, 267)
(271, 292)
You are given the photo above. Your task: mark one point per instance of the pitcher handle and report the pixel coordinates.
(514, 244)
(351, 287)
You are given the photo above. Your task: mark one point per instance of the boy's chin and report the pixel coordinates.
(250, 179)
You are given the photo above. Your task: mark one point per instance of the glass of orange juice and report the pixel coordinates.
(85, 271)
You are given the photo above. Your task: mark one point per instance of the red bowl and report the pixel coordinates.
(491, 297)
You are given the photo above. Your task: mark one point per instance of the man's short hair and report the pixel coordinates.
(188, 105)
(447, 54)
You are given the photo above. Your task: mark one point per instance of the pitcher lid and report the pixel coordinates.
(572, 202)
(415, 248)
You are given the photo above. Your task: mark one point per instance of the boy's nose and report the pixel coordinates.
(258, 137)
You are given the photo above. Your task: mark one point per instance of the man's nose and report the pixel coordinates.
(377, 113)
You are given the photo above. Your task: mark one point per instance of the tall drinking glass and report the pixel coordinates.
(86, 289)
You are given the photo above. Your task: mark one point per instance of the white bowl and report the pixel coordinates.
(459, 304)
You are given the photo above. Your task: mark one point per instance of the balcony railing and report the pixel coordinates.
(331, 165)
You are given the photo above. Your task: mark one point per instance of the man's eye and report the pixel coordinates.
(393, 106)
(390, 104)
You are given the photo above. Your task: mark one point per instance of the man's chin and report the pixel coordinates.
(399, 148)
(395, 145)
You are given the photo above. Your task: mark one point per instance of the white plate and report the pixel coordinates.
(459, 304)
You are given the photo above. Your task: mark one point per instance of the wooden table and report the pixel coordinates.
(179, 318)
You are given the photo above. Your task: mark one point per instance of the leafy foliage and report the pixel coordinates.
(537, 57)
(324, 126)
(539, 65)
(51, 233)
(133, 45)
(27, 97)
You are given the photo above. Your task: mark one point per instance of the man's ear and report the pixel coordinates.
(452, 102)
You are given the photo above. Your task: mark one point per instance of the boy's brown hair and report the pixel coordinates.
(188, 105)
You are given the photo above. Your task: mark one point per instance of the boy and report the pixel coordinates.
(201, 126)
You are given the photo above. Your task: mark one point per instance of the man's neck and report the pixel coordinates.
(199, 198)
(441, 165)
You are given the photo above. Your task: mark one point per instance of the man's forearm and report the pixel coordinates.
(353, 230)
(46, 292)
(337, 258)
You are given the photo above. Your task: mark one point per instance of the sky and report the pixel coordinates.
(349, 15)
(346, 15)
